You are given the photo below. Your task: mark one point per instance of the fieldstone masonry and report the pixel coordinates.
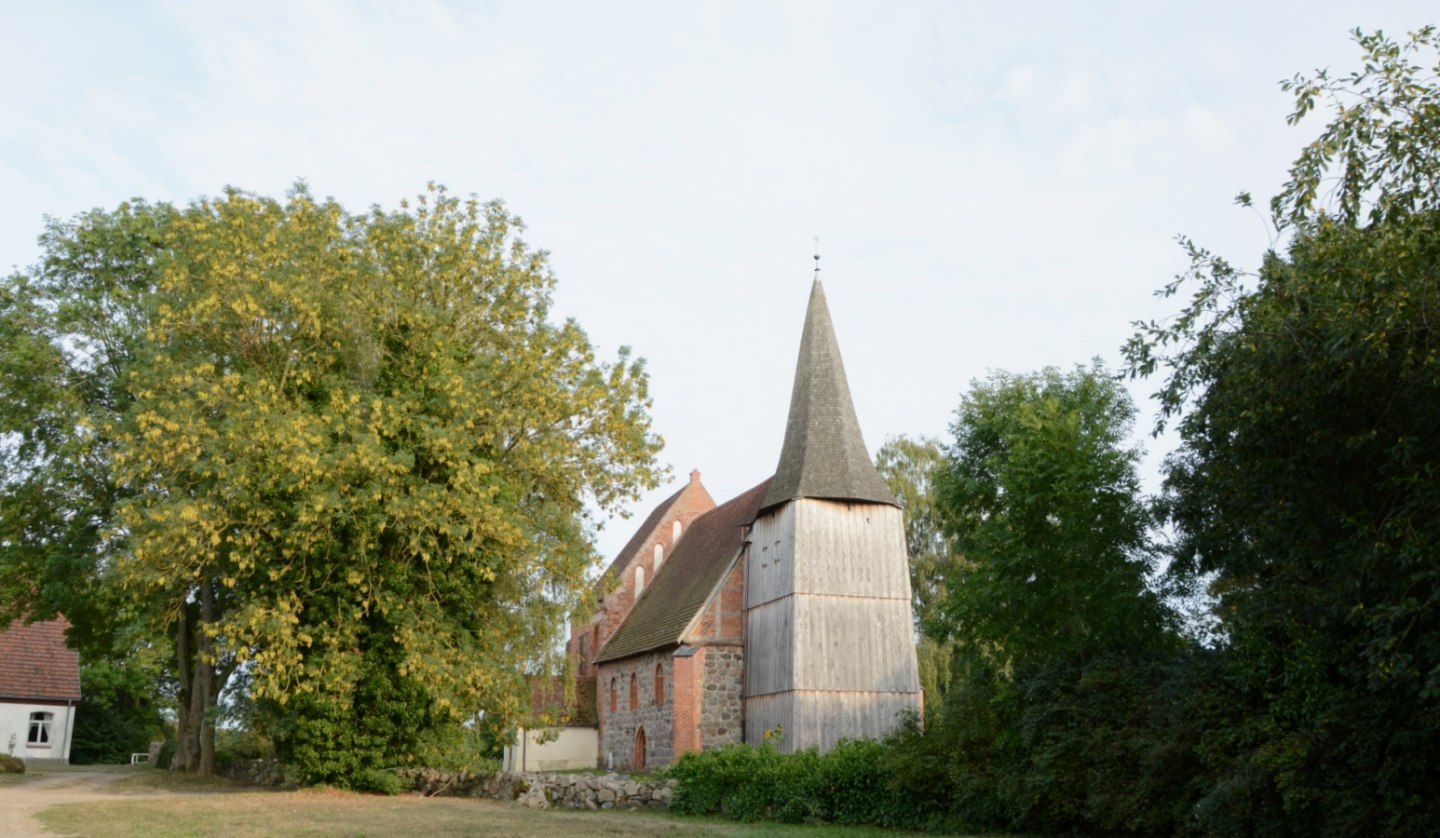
(544, 791)
(722, 699)
(618, 729)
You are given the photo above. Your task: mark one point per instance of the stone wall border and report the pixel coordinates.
(542, 790)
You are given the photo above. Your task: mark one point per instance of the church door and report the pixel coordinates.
(637, 762)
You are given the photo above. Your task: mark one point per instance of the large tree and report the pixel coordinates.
(1304, 494)
(352, 456)
(1041, 499)
(909, 465)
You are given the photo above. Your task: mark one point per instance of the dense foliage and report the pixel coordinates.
(1040, 495)
(1304, 500)
(118, 714)
(846, 785)
(1305, 490)
(909, 467)
(347, 456)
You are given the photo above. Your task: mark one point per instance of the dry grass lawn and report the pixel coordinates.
(165, 806)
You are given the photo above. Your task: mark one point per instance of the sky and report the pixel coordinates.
(993, 186)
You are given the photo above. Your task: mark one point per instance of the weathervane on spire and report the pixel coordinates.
(817, 257)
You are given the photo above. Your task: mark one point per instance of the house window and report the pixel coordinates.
(40, 730)
(639, 581)
(659, 684)
(614, 700)
(659, 557)
(634, 693)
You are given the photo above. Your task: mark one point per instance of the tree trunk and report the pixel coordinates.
(200, 684)
(184, 759)
(205, 683)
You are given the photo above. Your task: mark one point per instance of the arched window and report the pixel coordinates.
(674, 533)
(594, 643)
(659, 557)
(614, 698)
(634, 693)
(659, 684)
(40, 729)
(639, 581)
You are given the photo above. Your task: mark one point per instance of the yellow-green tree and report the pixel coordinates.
(356, 463)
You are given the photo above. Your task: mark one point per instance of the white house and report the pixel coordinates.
(39, 688)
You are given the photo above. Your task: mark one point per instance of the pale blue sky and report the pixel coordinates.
(994, 187)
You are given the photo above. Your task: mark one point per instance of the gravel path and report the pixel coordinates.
(19, 801)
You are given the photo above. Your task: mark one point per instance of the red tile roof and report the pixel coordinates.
(680, 589)
(35, 664)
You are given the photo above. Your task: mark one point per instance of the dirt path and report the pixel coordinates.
(19, 801)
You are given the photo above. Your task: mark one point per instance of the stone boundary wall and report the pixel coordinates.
(543, 790)
(256, 772)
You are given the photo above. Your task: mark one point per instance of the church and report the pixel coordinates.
(780, 615)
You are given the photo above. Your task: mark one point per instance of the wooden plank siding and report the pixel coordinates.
(853, 644)
(829, 637)
(809, 719)
(770, 565)
(857, 549)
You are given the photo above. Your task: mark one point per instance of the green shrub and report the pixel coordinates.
(234, 745)
(167, 754)
(117, 716)
(720, 781)
(11, 765)
(378, 781)
(846, 785)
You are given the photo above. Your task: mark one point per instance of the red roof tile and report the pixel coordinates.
(34, 662)
(679, 590)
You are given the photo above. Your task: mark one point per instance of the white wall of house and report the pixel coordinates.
(15, 730)
(553, 749)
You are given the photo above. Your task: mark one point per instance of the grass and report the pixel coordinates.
(198, 809)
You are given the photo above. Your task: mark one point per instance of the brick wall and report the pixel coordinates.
(615, 603)
(723, 617)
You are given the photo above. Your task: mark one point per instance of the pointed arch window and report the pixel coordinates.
(639, 581)
(675, 529)
(614, 696)
(634, 692)
(659, 557)
(659, 684)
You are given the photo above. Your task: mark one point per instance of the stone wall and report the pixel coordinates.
(256, 772)
(722, 700)
(544, 791)
(618, 727)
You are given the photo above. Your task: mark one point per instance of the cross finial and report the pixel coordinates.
(817, 257)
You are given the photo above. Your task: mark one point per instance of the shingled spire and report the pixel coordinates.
(824, 455)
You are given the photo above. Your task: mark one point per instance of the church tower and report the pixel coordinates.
(829, 649)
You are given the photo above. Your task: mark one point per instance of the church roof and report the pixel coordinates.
(686, 579)
(824, 455)
(608, 578)
(35, 663)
